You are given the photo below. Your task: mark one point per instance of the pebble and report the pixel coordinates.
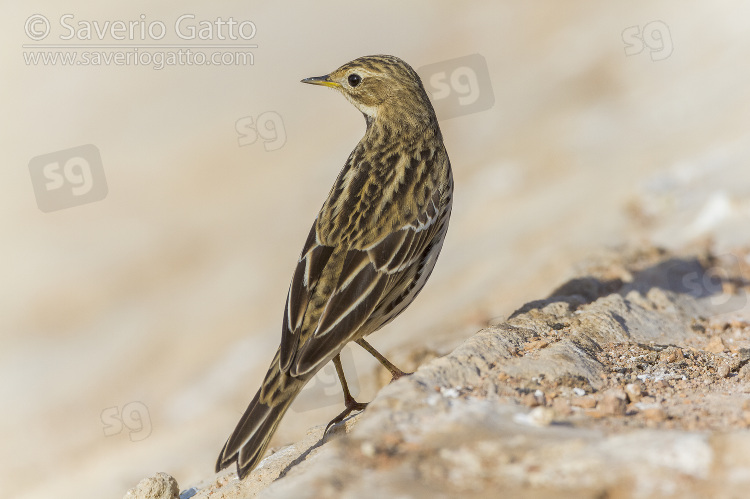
(587, 402)
(367, 448)
(654, 414)
(661, 384)
(579, 391)
(530, 400)
(535, 345)
(541, 416)
(159, 486)
(723, 370)
(562, 407)
(634, 391)
(715, 345)
(614, 402)
(538, 416)
(540, 398)
(534, 399)
(671, 354)
(453, 392)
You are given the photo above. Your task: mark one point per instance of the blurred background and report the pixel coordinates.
(152, 210)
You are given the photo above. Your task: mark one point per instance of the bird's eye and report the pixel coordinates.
(354, 79)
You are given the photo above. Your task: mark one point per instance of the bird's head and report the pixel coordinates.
(381, 87)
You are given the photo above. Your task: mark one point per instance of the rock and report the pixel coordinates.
(614, 402)
(562, 407)
(654, 413)
(535, 345)
(529, 400)
(671, 354)
(634, 391)
(715, 345)
(486, 418)
(159, 486)
(538, 416)
(534, 399)
(586, 402)
(661, 384)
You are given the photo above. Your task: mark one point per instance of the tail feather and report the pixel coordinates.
(249, 440)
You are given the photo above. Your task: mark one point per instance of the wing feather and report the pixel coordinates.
(313, 260)
(339, 294)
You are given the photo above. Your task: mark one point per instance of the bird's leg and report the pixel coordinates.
(351, 404)
(396, 373)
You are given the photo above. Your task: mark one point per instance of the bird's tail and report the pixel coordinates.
(249, 440)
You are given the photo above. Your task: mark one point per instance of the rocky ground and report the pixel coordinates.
(624, 382)
(136, 328)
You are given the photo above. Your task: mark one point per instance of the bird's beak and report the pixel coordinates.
(322, 80)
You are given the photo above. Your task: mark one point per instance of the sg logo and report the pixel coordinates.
(459, 86)
(134, 416)
(325, 389)
(712, 284)
(655, 36)
(68, 178)
(269, 126)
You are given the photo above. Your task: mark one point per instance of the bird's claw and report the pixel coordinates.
(350, 407)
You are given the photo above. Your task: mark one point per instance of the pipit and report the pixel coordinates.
(371, 248)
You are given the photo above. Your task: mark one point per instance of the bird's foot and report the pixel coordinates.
(351, 406)
(397, 373)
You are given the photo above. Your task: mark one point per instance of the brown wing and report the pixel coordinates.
(313, 260)
(336, 293)
(410, 263)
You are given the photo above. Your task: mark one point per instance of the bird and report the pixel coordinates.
(371, 248)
